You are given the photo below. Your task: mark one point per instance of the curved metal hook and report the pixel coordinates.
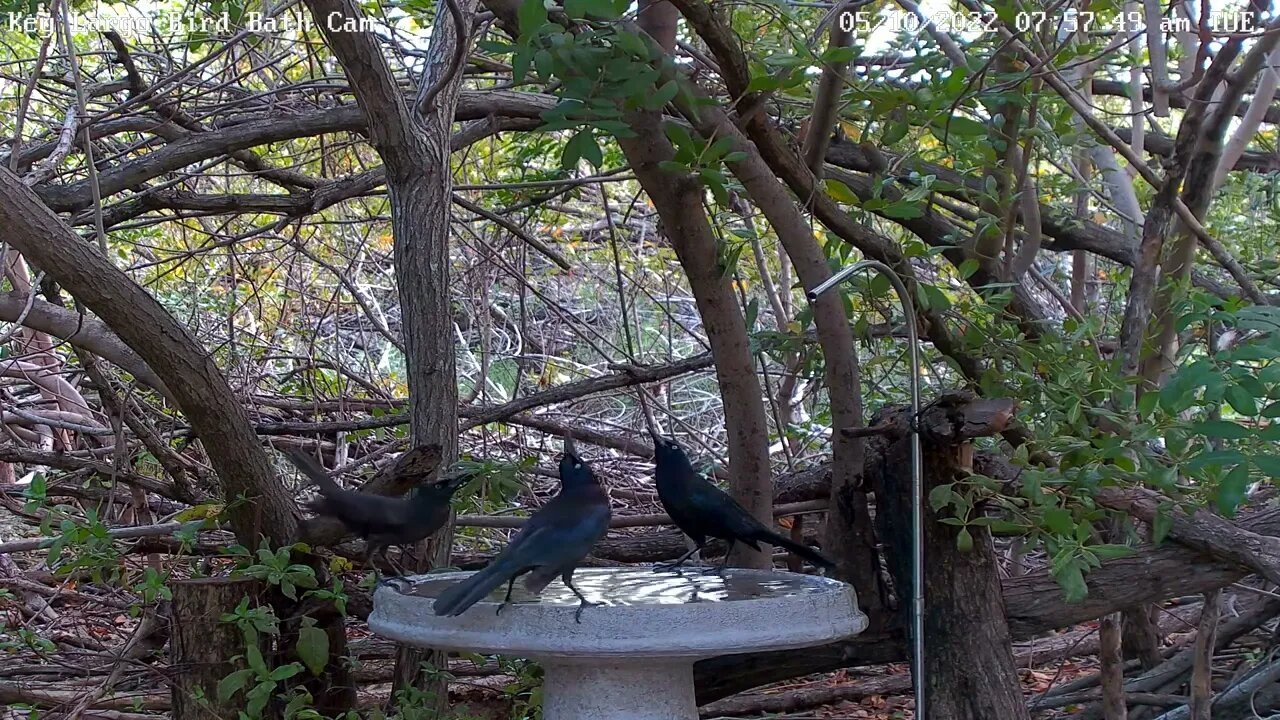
(917, 475)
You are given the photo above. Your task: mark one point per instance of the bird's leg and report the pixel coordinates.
(659, 567)
(510, 584)
(719, 569)
(394, 565)
(577, 616)
(369, 550)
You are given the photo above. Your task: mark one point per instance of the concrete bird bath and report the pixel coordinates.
(632, 657)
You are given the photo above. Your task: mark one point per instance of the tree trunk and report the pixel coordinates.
(848, 535)
(678, 200)
(201, 647)
(1202, 669)
(414, 144)
(257, 505)
(965, 619)
(1112, 673)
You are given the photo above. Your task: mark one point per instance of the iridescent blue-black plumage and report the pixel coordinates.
(551, 544)
(702, 510)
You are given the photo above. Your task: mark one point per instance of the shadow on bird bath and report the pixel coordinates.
(631, 657)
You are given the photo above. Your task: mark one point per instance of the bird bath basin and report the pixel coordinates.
(632, 657)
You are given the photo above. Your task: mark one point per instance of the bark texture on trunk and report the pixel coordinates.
(201, 647)
(257, 505)
(678, 200)
(965, 617)
(414, 144)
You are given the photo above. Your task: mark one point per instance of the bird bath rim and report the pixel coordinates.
(644, 618)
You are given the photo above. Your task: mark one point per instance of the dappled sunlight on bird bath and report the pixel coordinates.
(642, 586)
(631, 657)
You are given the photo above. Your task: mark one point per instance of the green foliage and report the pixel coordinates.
(257, 681)
(313, 646)
(277, 568)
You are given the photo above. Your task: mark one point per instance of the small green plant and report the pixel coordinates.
(261, 680)
(276, 568)
(525, 690)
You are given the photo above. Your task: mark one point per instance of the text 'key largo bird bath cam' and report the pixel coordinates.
(630, 658)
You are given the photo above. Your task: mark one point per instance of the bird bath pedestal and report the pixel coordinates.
(632, 657)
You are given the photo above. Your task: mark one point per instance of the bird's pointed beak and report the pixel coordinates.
(657, 439)
(455, 479)
(571, 448)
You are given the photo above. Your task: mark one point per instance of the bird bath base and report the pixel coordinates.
(631, 658)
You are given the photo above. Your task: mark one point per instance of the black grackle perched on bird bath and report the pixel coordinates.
(702, 510)
(552, 542)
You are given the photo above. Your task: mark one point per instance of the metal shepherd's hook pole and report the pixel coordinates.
(917, 475)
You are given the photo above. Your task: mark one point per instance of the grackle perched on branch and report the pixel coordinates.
(382, 521)
(552, 542)
(701, 509)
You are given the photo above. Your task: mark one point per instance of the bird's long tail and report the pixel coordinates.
(804, 551)
(463, 594)
(313, 470)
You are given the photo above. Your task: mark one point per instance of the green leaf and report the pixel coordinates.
(1216, 458)
(762, 83)
(631, 43)
(1222, 429)
(284, 672)
(1001, 527)
(1111, 552)
(964, 540)
(581, 146)
(961, 126)
(1240, 400)
(313, 648)
(839, 54)
(715, 181)
(662, 96)
(253, 656)
(840, 192)
(591, 151)
(1161, 524)
(893, 132)
(258, 698)
(233, 683)
(531, 16)
(1232, 489)
(1071, 578)
(680, 137)
(940, 497)
(903, 210)
(1147, 404)
(1268, 464)
(1059, 521)
(495, 47)
(933, 298)
(735, 156)
(673, 167)
(578, 9)
(544, 63)
(521, 60)
(719, 147)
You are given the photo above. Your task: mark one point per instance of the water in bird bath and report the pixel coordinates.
(642, 586)
(632, 657)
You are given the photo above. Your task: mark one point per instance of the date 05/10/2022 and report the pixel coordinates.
(961, 21)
